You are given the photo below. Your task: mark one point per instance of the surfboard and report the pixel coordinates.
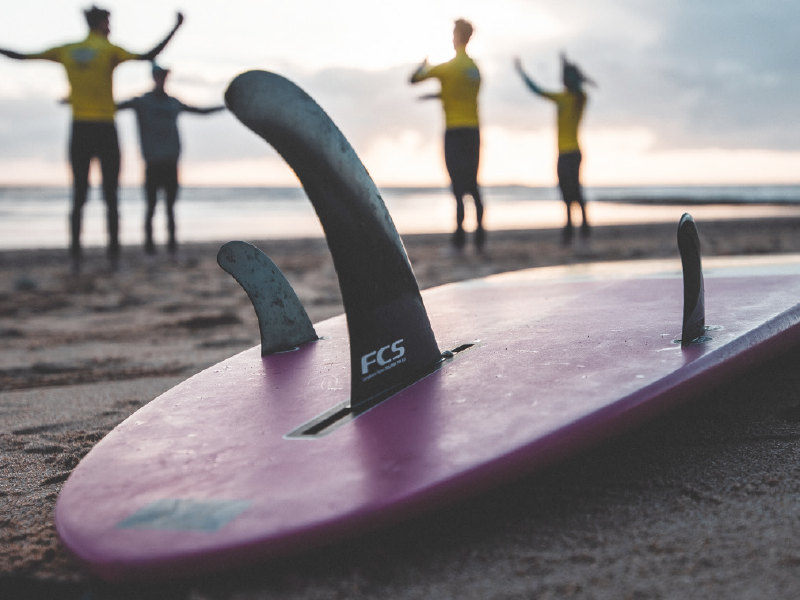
(409, 400)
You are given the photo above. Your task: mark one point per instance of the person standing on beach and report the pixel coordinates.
(90, 65)
(460, 82)
(157, 117)
(570, 104)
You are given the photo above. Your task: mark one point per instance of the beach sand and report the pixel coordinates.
(702, 503)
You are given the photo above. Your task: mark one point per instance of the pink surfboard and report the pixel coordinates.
(409, 400)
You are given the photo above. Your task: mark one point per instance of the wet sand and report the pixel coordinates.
(702, 503)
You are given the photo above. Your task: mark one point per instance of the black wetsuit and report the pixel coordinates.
(94, 139)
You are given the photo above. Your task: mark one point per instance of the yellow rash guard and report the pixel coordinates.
(89, 65)
(570, 112)
(460, 80)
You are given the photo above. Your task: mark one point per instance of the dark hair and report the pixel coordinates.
(95, 16)
(158, 70)
(464, 29)
(572, 76)
(573, 79)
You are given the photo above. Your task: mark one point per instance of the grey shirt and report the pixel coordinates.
(157, 116)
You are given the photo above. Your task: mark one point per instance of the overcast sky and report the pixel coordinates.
(689, 91)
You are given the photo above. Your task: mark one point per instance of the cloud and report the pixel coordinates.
(687, 75)
(30, 125)
(716, 74)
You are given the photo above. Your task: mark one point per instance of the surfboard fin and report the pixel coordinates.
(694, 310)
(282, 319)
(391, 340)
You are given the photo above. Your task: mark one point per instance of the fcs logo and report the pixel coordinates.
(382, 357)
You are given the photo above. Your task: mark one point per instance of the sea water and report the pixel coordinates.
(37, 217)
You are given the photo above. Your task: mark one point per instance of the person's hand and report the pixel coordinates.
(179, 20)
(423, 66)
(517, 63)
(11, 54)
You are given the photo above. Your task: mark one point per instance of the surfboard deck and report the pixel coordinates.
(256, 457)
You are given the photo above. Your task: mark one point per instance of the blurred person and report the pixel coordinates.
(570, 104)
(90, 65)
(460, 82)
(157, 117)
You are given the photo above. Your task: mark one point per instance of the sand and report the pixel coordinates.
(702, 503)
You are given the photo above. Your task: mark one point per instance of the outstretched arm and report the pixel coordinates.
(420, 73)
(157, 50)
(12, 54)
(203, 111)
(528, 81)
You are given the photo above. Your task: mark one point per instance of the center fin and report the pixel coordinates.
(391, 340)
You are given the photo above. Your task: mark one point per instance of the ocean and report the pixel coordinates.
(36, 217)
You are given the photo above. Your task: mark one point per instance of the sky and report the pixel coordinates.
(688, 91)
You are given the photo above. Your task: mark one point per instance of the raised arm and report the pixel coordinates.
(528, 81)
(157, 50)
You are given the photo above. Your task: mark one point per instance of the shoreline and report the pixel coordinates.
(201, 220)
(711, 231)
(698, 503)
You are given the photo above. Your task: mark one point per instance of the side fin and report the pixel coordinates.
(694, 309)
(282, 320)
(391, 340)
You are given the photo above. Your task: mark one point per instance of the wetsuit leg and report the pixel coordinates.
(160, 176)
(151, 185)
(109, 155)
(568, 169)
(472, 156)
(480, 232)
(453, 162)
(80, 156)
(171, 190)
(474, 189)
(462, 156)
